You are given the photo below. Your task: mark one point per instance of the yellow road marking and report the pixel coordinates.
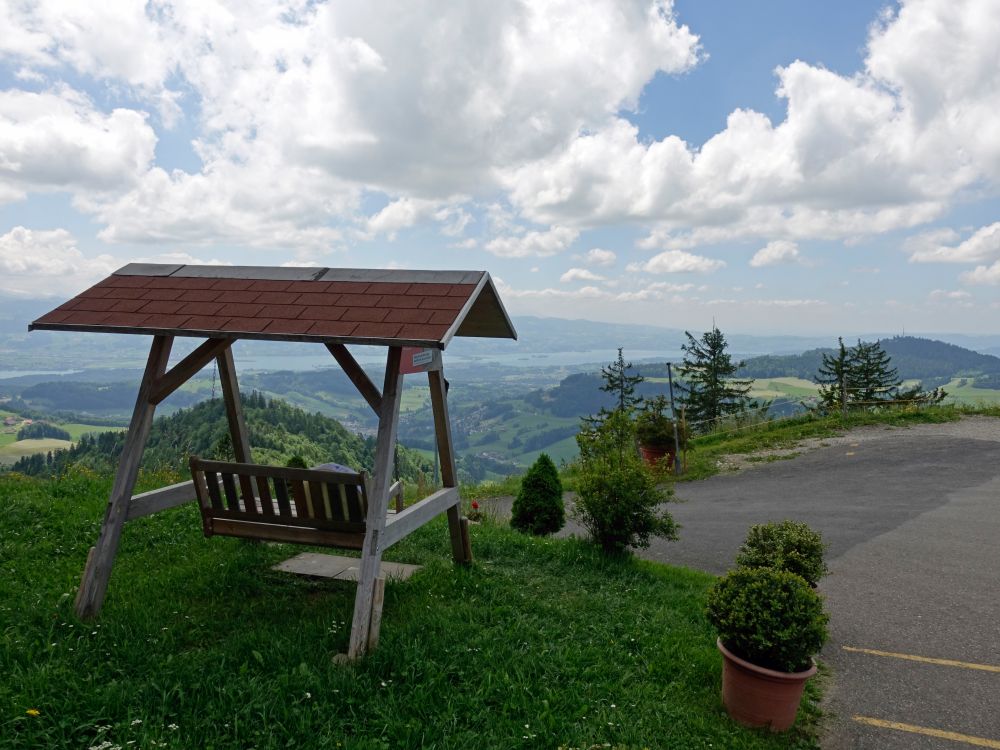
(924, 659)
(849, 453)
(940, 733)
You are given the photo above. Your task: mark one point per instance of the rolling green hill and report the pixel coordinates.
(277, 431)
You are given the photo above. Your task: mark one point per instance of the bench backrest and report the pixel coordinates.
(316, 506)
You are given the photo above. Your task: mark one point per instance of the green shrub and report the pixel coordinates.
(618, 498)
(771, 618)
(618, 504)
(296, 462)
(787, 545)
(538, 507)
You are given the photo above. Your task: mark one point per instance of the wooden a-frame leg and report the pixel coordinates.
(378, 506)
(234, 408)
(94, 583)
(461, 547)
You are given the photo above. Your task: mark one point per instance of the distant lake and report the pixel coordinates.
(372, 355)
(5, 374)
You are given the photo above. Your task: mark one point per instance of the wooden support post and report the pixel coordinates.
(97, 573)
(378, 601)
(357, 375)
(234, 409)
(449, 471)
(378, 505)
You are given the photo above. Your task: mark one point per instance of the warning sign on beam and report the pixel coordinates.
(418, 359)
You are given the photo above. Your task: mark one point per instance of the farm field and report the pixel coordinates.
(12, 451)
(966, 394)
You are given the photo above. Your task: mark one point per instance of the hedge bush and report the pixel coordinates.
(771, 618)
(538, 508)
(787, 545)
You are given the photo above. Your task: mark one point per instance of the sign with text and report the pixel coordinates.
(418, 359)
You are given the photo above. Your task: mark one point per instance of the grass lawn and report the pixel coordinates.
(540, 643)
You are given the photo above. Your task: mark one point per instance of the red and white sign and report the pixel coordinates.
(419, 359)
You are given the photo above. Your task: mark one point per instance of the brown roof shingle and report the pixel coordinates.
(323, 304)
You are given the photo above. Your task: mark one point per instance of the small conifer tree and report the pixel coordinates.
(538, 508)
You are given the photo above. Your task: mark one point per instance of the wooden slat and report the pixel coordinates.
(449, 471)
(282, 472)
(212, 481)
(234, 408)
(296, 522)
(187, 368)
(281, 494)
(288, 534)
(402, 524)
(97, 573)
(264, 492)
(232, 496)
(154, 501)
(298, 494)
(357, 375)
(378, 502)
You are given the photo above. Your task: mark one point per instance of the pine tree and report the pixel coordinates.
(538, 508)
(619, 382)
(709, 389)
(864, 376)
(834, 374)
(874, 377)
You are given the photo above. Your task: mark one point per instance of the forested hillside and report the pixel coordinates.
(277, 431)
(932, 362)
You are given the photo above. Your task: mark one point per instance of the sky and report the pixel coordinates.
(773, 167)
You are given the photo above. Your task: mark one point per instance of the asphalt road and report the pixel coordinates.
(912, 518)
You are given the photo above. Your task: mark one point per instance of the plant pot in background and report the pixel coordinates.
(654, 455)
(759, 697)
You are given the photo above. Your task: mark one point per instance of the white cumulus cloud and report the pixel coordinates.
(533, 244)
(939, 246)
(580, 274)
(678, 261)
(775, 253)
(46, 263)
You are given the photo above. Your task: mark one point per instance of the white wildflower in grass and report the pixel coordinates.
(136, 722)
(173, 727)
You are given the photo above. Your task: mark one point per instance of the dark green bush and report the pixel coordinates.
(787, 545)
(538, 507)
(296, 462)
(618, 499)
(771, 618)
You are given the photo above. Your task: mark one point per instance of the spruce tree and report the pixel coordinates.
(538, 508)
(834, 374)
(709, 389)
(620, 383)
(874, 377)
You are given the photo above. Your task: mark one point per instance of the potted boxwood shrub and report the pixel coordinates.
(770, 625)
(788, 545)
(655, 431)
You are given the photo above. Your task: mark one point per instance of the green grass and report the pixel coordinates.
(541, 643)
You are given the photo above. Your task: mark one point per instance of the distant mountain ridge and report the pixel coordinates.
(930, 361)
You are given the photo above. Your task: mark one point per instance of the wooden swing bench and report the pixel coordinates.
(414, 314)
(325, 507)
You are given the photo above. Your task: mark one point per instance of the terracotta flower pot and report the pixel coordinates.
(759, 697)
(654, 455)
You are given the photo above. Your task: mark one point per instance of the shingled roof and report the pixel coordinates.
(343, 305)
